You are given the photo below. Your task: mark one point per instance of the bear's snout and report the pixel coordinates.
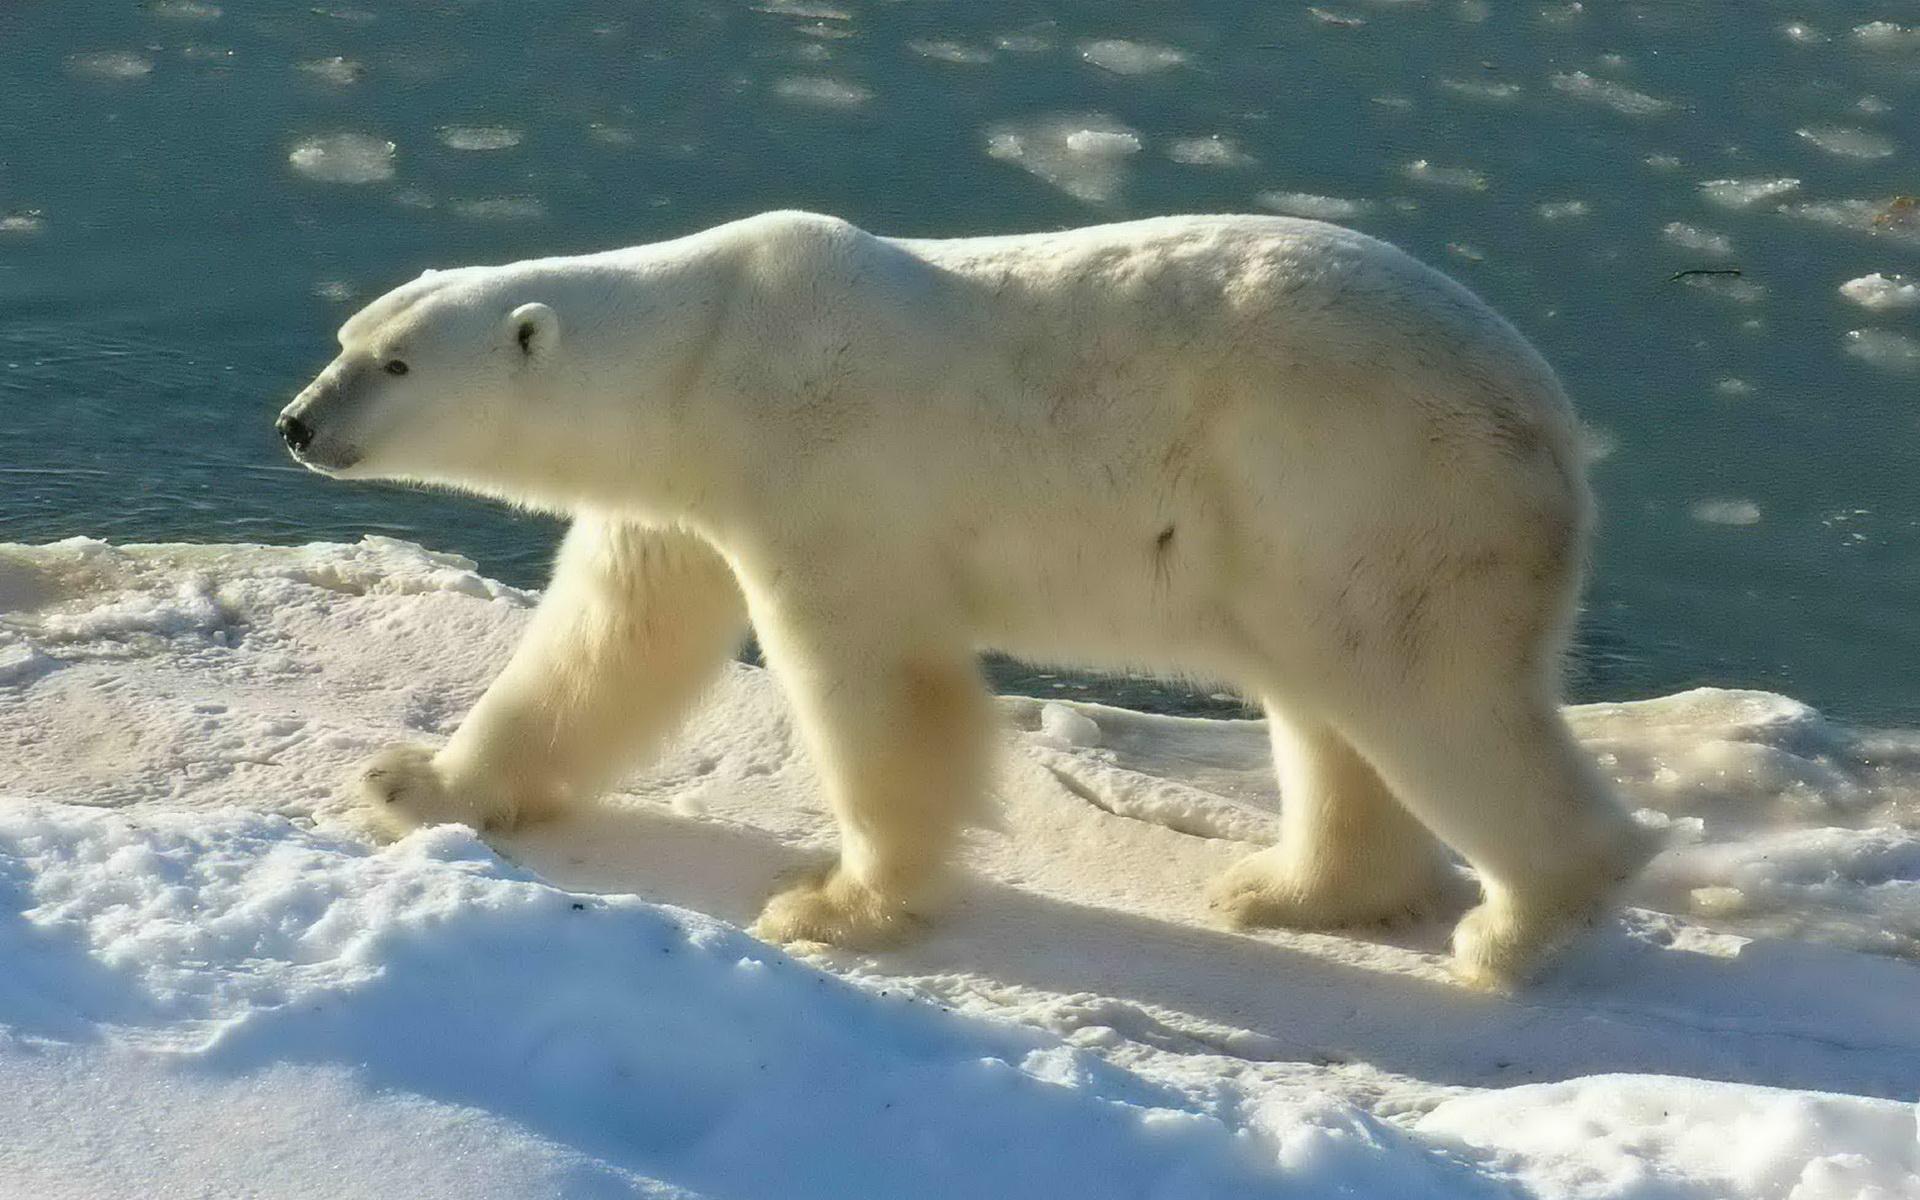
(296, 433)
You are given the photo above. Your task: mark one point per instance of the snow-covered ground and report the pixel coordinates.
(212, 984)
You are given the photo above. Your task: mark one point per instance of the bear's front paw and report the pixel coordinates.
(834, 908)
(401, 790)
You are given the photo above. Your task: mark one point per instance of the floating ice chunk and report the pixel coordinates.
(184, 10)
(1308, 204)
(1733, 387)
(1597, 444)
(111, 64)
(1339, 20)
(22, 223)
(349, 16)
(1466, 251)
(1885, 35)
(1725, 512)
(1563, 14)
(501, 208)
(1480, 89)
(1728, 287)
(1066, 726)
(1027, 42)
(479, 137)
(1692, 237)
(1897, 217)
(1562, 210)
(822, 91)
(957, 53)
(804, 10)
(1744, 193)
(1605, 92)
(1462, 178)
(344, 158)
(1848, 142)
(335, 70)
(1881, 291)
(1123, 57)
(1083, 156)
(1884, 348)
(1214, 150)
(337, 290)
(611, 135)
(1803, 33)
(1662, 162)
(1473, 12)
(1872, 106)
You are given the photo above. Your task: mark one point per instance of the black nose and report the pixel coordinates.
(296, 432)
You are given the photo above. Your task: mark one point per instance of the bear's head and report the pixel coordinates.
(434, 381)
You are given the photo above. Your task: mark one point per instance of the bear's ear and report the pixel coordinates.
(533, 330)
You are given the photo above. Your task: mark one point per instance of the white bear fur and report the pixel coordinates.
(1268, 452)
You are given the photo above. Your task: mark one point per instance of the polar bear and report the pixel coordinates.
(1268, 452)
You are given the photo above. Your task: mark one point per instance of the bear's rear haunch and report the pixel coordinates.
(1268, 452)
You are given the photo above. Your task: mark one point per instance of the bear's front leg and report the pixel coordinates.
(636, 623)
(900, 733)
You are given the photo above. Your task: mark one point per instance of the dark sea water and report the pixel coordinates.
(194, 194)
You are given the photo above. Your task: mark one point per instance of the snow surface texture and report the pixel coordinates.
(214, 985)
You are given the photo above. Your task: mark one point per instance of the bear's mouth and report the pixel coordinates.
(326, 460)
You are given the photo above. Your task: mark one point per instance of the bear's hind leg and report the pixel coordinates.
(1348, 854)
(1498, 776)
(637, 621)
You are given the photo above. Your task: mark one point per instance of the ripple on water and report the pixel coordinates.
(344, 158)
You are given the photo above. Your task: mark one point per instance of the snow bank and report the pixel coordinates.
(214, 982)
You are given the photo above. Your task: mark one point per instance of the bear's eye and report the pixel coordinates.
(395, 367)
